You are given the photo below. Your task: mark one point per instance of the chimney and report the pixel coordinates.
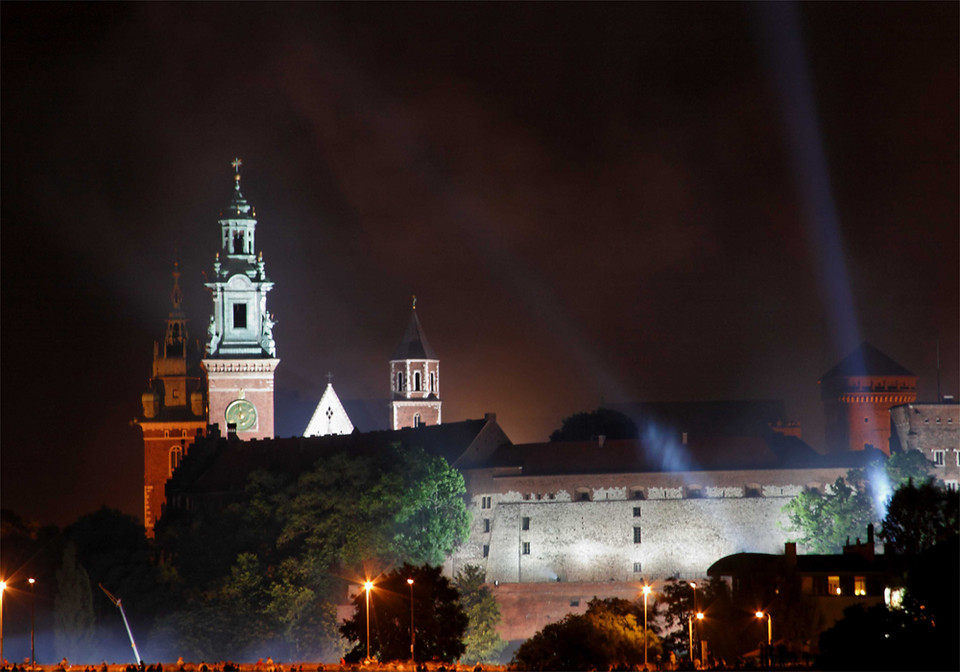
(790, 553)
(870, 534)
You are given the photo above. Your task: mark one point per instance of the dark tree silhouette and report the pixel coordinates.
(601, 422)
(439, 620)
(919, 516)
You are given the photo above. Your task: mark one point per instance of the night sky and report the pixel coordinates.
(592, 202)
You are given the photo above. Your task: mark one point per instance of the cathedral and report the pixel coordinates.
(552, 524)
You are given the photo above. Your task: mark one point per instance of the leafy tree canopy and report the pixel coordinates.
(259, 573)
(482, 641)
(609, 635)
(439, 620)
(920, 516)
(601, 422)
(823, 522)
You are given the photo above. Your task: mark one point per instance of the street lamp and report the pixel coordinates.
(410, 583)
(33, 621)
(367, 586)
(693, 584)
(646, 591)
(3, 587)
(760, 615)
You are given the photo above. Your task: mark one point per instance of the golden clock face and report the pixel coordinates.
(242, 413)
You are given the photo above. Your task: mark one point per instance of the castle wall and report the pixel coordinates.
(934, 430)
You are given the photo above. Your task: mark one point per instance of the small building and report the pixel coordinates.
(934, 430)
(836, 582)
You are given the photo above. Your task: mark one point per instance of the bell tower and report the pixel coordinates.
(414, 379)
(240, 355)
(174, 407)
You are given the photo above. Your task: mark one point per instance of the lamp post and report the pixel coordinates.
(760, 615)
(367, 585)
(646, 591)
(412, 636)
(693, 584)
(33, 621)
(3, 587)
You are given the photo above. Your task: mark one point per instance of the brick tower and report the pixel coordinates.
(241, 356)
(857, 396)
(174, 407)
(414, 379)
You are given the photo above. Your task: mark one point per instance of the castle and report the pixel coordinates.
(553, 524)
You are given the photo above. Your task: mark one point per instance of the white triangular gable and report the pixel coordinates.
(330, 417)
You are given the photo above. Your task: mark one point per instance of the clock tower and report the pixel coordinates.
(240, 356)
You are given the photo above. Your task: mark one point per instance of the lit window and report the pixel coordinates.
(486, 524)
(859, 585)
(833, 585)
(636, 535)
(636, 512)
(525, 523)
(526, 548)
(938, 458)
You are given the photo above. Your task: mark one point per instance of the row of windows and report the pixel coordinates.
(525, 521)
(926, 421)
(417, 382)
(939, 458)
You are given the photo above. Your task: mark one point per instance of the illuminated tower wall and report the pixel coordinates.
(858, 394)
(240, 357)
(174, 407)
(414, 379)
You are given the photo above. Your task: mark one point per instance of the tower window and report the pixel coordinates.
(636, 535)
(485, 502)
(176, 454)
(636, 512)
(399, 382)
(433, 382)
(526, 548)
(938, 458)
(525, 523)
(239, 316)
(416, 381)
(486, 550)
(486, 524)
(416, 420)
(637, 567)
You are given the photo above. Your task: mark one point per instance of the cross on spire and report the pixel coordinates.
(236, 163)
(329, 378)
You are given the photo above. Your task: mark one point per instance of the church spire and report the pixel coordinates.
(414, 378)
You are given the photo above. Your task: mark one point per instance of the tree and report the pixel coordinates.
(603, 421)
(482, 641)
(73, 609)
(438, 618)
(919, 517)
(609, 635)
(823, 522)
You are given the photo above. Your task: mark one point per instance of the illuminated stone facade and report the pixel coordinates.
(174, 407)
(240, 356)
(934, 430)
(329, 417)
(858, 394)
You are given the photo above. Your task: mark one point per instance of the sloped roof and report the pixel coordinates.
(329, 416)
(751, 564)
(866, 360)
(414, 344)
(744, 417)
(714, 453)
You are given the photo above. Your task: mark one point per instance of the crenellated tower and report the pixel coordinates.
(414, 379)
(240, 356)
(174, 406)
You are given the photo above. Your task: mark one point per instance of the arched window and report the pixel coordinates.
(416, 381)
(433, 383)
(399, 381)
(176, 454)
(416, 420)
